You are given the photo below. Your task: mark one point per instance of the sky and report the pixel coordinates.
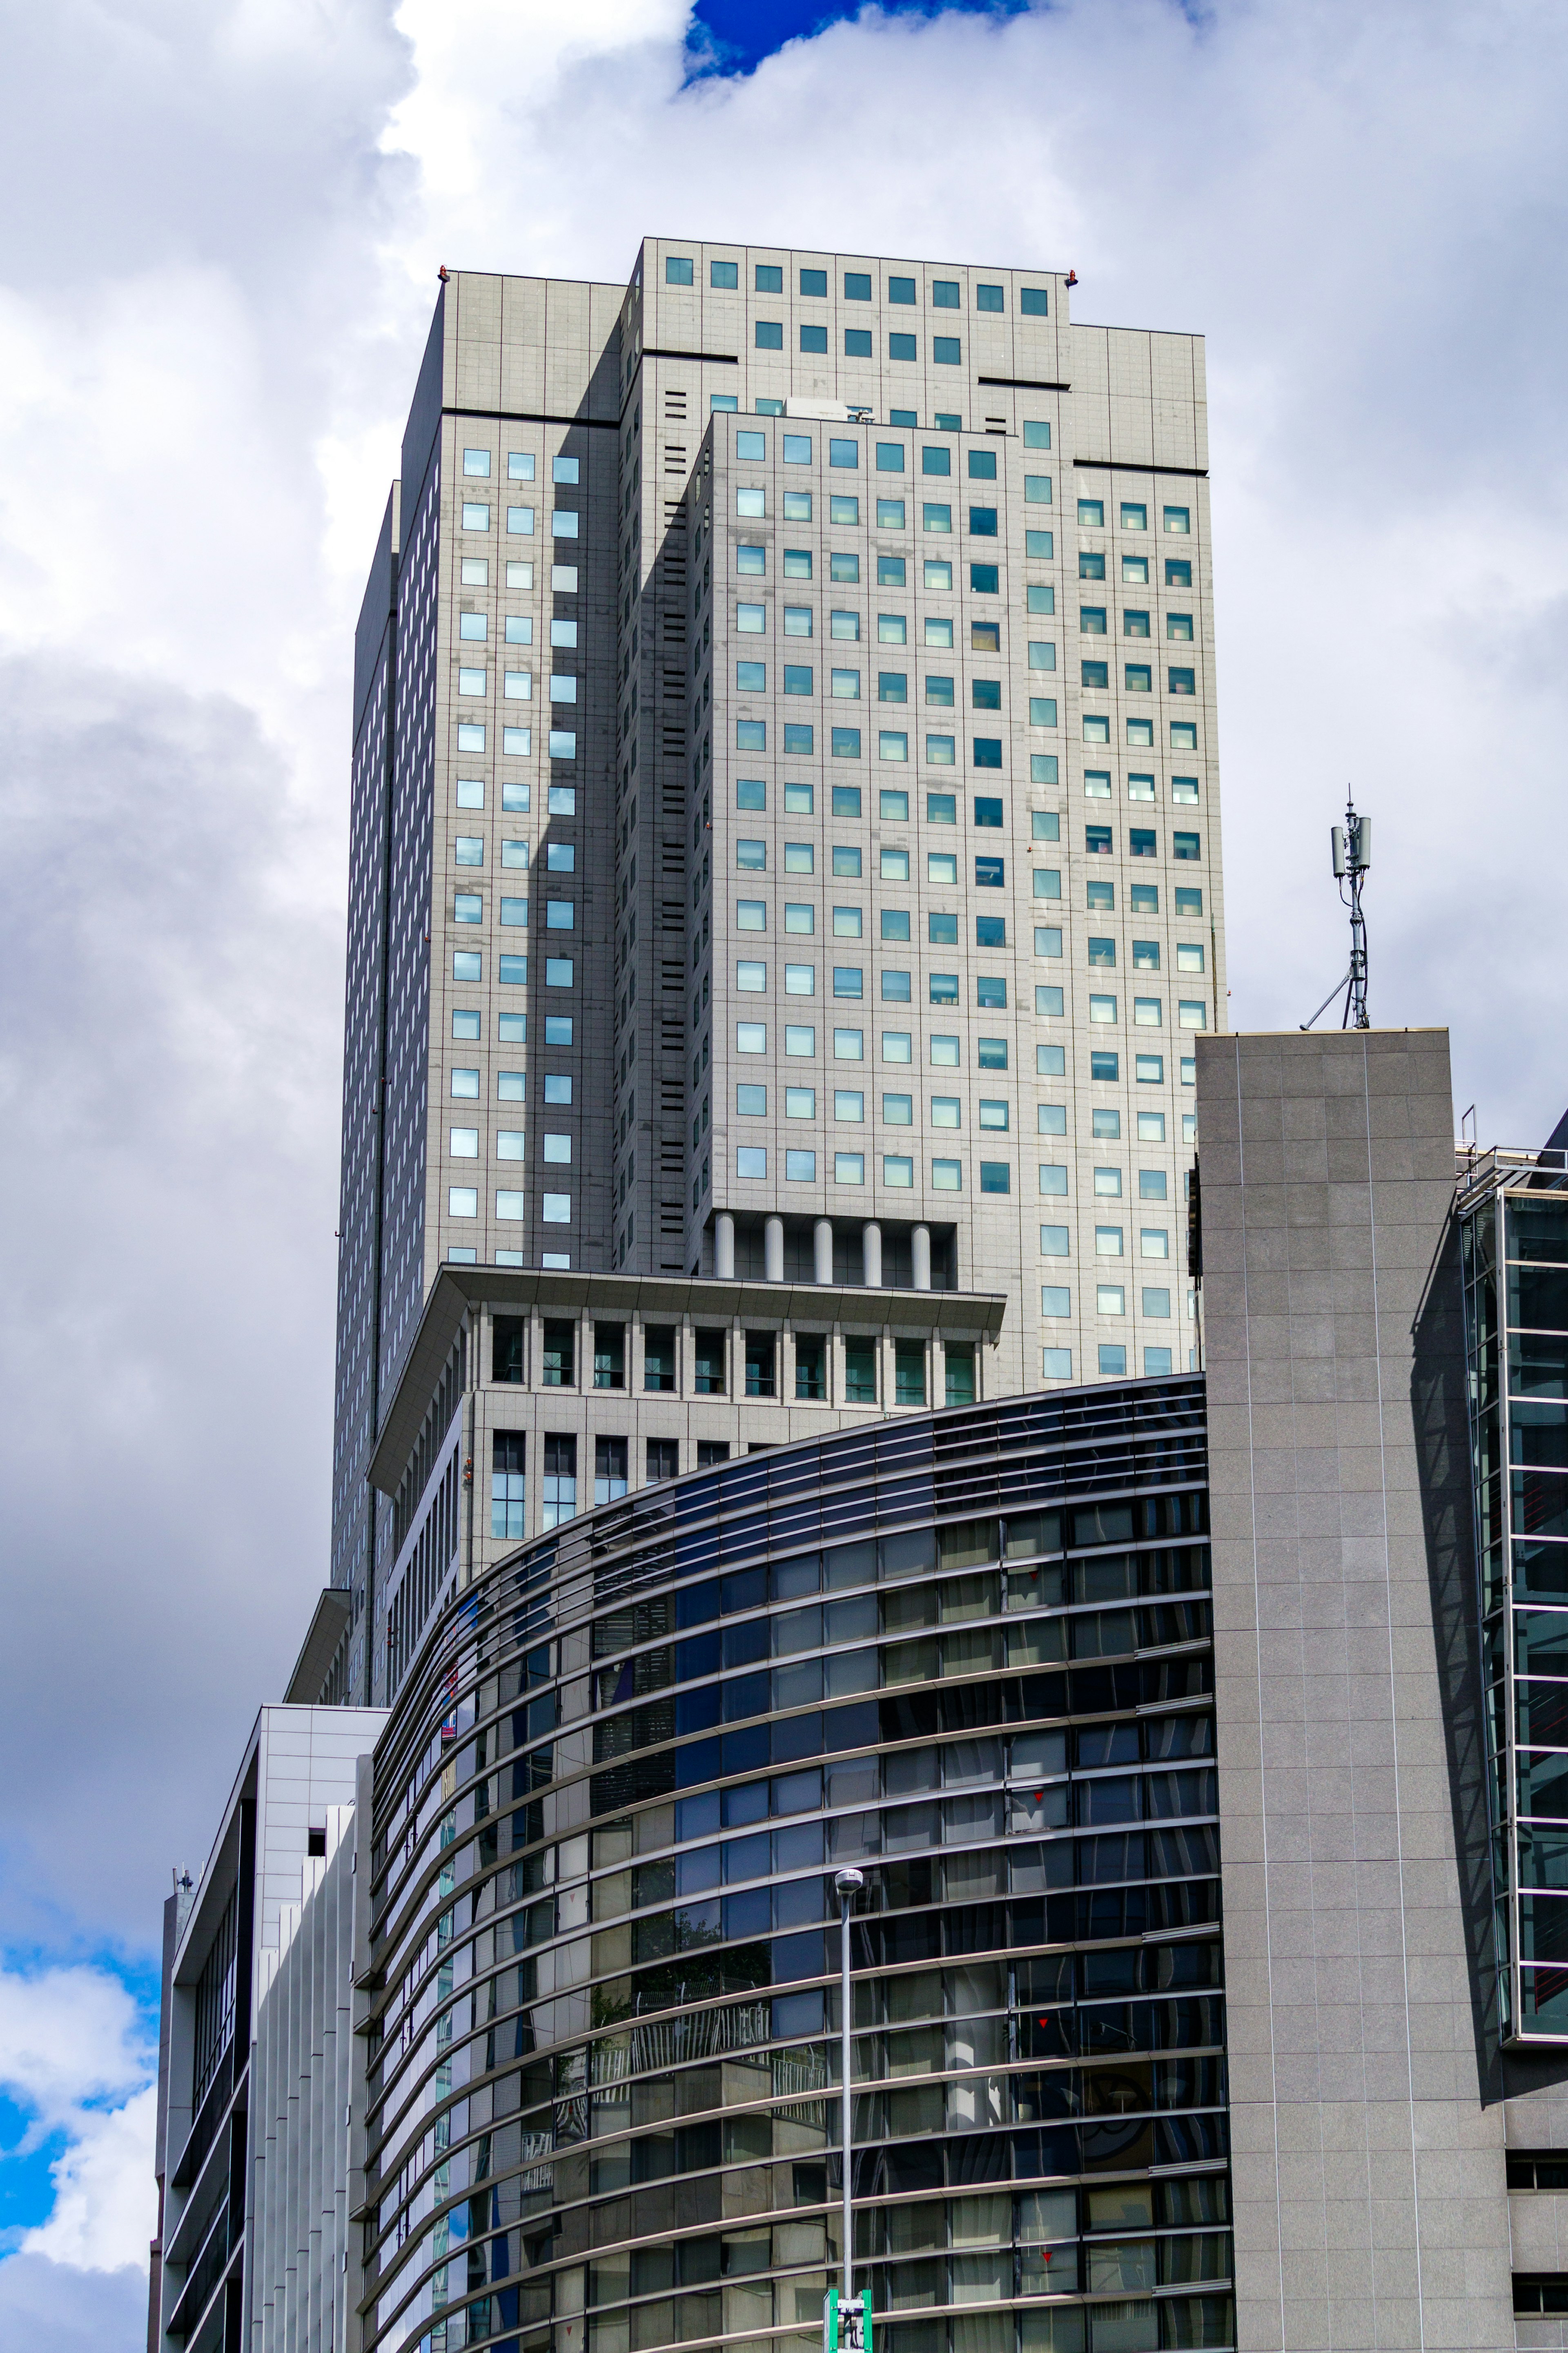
(227, 223)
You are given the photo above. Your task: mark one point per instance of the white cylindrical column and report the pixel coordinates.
(822, 1250)
(772, 1250)
(724, 1246)
(871, 1255)
(919, 1253)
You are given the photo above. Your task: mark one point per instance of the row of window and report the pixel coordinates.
(942, 809)
(511, 1029)
(844, 508)
(755, 1375)
(517, 742)
(942, 866)
(1134, 622)
(941, 750)
(898, 1111)
(892, 571)
(510, 1206)
(892, 685)
(892, 629)
(520, 466)
(942, 987)
(768, 277)
(565, 522)
(849, 1046)
(1135, 569)
(891, 457)
(946, 1177)
(511, 1086)
(560, 856)
(942, 929)
(517, 629)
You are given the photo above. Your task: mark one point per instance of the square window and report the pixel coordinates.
(1156, 1303)
(938, 575)
(944, 1053)
(947, 1176)
(768, 335)
(849, 1045)
(1103, 1066)
(1107, 1241)
(800, 1040)
(800, 979)
(1149, 1070)
(750, 1037)
(800, 1167)
(723, 274)
(800, 1103)
(751, 1103)
(752, 1160)
(1053, 1175)
(845, 856)
(751, 915)
(1178, 519)
(993, 1115)
(942, 809)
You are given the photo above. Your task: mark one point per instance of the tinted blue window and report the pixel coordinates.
(857, 343)
(900, 290)
(814, 339)
(769, 278)
(990, 872)
(901, 347)
(769, 336)
(945, 351)
(1035, 301)
(814, 281)
(990, 931)
(984, 579)
(982, 521)
(676, 269)
(857, 286)
(987, 751)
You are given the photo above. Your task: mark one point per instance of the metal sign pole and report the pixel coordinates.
(848, 1882)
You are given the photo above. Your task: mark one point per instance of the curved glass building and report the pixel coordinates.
(969, 1652)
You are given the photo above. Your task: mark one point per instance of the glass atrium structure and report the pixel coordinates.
(969, 1652)
(1514, 1208)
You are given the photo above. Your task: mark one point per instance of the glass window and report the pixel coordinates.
(898, 1046)
(1178, 519)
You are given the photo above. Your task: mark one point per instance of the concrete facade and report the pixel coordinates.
(558, 724)
(1370, 2191)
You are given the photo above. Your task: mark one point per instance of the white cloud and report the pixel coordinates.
(207, 343)
(106, 2203)
(76, 2058)
(69, 2036)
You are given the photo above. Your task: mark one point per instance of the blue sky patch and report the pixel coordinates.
(739, 34)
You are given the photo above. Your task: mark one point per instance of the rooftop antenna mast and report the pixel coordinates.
(1352, 845)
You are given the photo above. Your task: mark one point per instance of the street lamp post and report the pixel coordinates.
(848, 1882)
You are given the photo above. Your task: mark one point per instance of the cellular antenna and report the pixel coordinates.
(1352, 845)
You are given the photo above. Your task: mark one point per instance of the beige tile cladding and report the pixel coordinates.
(1371, 2207)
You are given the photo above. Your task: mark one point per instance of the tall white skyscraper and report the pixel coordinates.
(785, 886)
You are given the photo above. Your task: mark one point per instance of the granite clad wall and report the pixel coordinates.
(1370, 2199)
